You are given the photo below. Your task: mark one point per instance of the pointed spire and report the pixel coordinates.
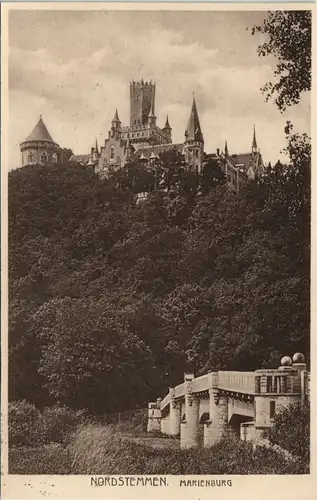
(116, 117)
(167, 125)
(226, 149)
(193, 131)
(96, 148)
(254, 144)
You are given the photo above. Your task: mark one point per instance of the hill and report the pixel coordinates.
(111, 301)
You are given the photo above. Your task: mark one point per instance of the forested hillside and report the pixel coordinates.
(111, 301)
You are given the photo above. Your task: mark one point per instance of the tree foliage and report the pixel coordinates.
(291, 430)
(111, 301)
(288, 38)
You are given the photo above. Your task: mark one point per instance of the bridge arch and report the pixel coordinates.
(236, 421)
(204, 418)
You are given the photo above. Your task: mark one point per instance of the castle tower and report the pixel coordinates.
(226, 150)
(97, 147)
(116, 125)
(194, 140)
(152, 117)
(142, 102)
(96, 152)
(254, 144)
(167, 128)
(39, 147)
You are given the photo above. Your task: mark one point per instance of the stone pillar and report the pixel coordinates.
(262, 418)
(175, 414)
(217, 428)
(190, 428)
(154, 418)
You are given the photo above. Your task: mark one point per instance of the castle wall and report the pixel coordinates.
(112, 154)
(40, 154)
(194, 152)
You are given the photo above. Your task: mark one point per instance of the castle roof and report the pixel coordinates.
(193, 131)
(40, 133)
(245, 160)
(82, 159)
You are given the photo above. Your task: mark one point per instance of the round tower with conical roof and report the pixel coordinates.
(39, 147)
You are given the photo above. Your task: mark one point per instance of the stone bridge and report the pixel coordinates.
(205, 409)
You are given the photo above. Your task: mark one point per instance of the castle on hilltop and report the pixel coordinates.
(143, 139)
(40, 149)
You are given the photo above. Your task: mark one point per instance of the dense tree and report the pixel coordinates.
(111, 301)
(288, 38)
(291, 430)
(90, 357)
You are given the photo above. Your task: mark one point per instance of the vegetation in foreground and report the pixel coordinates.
(106, 449)
(98, 450)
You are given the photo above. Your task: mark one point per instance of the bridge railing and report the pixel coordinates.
(180, 390)
(243, 382)
(165, 401)
(200, 384)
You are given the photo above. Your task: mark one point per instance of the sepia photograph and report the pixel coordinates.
(159, 204)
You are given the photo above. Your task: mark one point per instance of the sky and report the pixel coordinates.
(74, 69)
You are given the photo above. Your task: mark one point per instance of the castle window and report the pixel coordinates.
(43, 157)
(272, 409)
(111, 152)
(196, 153)
(54, 158)
(30, 158)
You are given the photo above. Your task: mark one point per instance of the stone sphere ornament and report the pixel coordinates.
(286, 361)
(298, 358)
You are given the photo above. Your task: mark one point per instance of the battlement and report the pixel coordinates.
(141, 83)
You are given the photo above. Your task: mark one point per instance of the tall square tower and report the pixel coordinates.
(142, 101)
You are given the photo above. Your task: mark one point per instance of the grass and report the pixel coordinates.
(48, 459)
(101, 450)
